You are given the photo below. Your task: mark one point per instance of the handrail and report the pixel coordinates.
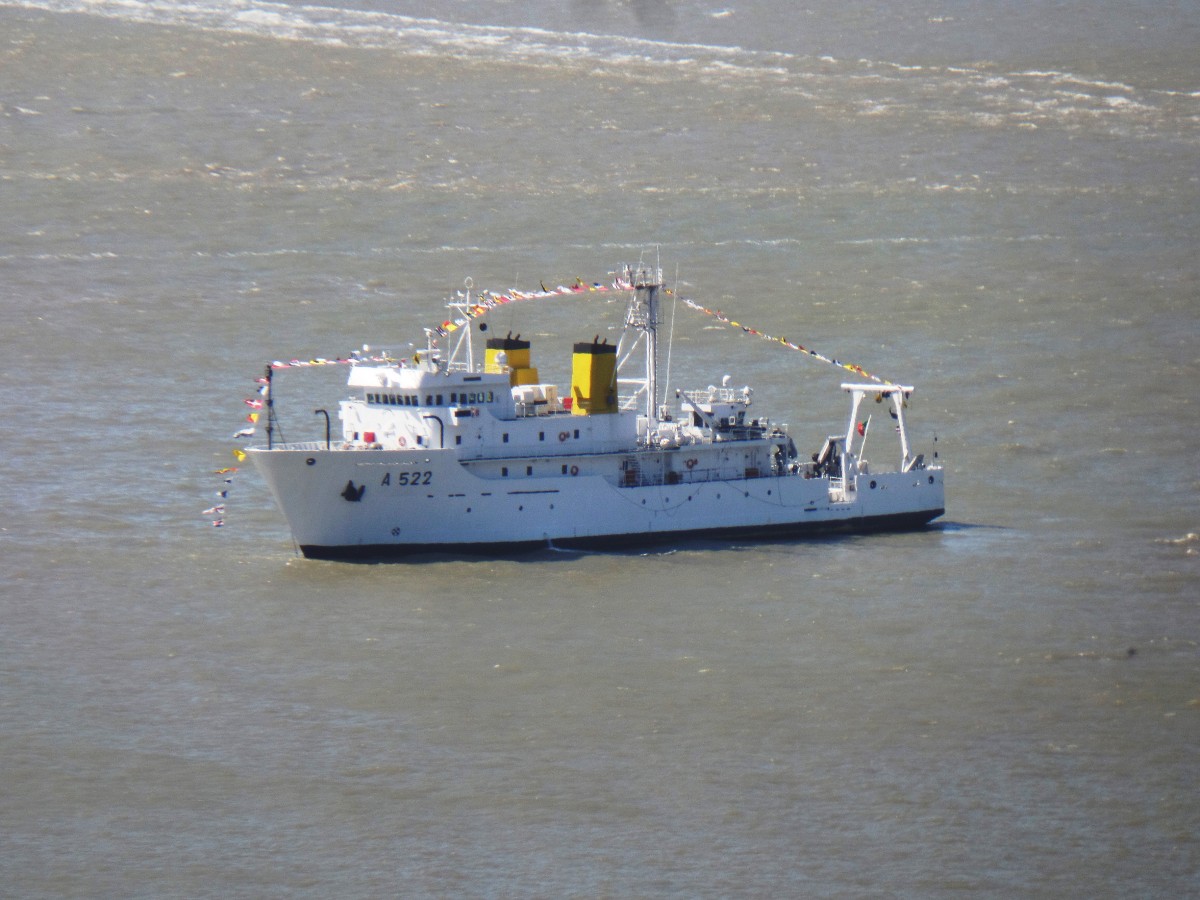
(301, 445)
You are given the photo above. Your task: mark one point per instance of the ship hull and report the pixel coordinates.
(792, 531)
(375, 505)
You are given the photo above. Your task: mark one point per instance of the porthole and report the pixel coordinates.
(310, 462)
(931, 479)
(872, 485)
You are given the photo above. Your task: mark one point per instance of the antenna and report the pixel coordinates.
(671, 332)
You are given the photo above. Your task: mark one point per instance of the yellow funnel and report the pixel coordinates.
(516, 359)
(594, 379)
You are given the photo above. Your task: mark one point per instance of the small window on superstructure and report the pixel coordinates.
(439, 400)
(504, 471)
(491, 396)
(429, 399)
(506, 437)
(529, 470)
(541, 435)
(458, 439)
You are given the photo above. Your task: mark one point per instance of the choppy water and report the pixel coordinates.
(996, 202)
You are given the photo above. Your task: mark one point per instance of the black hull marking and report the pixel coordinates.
(767, 533)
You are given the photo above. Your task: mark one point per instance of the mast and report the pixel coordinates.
(460, 311)
(270, 406)
(642, 318)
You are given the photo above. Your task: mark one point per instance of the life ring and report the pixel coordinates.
(403, 441)
(574, 470)
(691, 463)
(562, 436)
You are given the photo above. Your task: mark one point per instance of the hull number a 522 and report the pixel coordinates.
(411, 479)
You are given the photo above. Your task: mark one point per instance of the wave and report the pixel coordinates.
(365, 28)
(978, 93)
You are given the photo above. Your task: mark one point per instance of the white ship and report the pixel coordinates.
(438, 455)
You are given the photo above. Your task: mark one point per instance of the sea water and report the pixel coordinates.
(996, 202)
